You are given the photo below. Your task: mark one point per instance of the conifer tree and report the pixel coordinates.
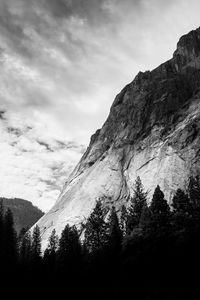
(96, 232)
(138, 200)
(160, 210)
(36, 246)
(123, 220)
(182, 209)
(10, 240)
(53, 242)
(1, 228)
(25, 249)
(69, 250)
(115, 233)
(50, 253)
(63, 247)
(22, 233)
(194, 195)
(146, 218)
(181, 202)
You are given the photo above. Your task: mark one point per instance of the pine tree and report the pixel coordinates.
(69, 250)
(115, 233)
(50, 253)
(138, 200)
(1, 229)
(182, 209)
(146, 218)
(36, 246)
(10, 240)
(25, 249)
(160, 210)
(123, 220)
(53, 242)
(194, 195)
(96, 232)
(181, 202)
(22, 233)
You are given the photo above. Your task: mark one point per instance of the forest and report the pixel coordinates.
(147, 250)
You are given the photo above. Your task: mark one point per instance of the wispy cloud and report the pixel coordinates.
(34, 164)
(61, 64)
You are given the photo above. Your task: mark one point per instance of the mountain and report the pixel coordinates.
(24, 213)
(152, 131)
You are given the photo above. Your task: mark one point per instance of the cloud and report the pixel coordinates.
(61, 64)
(34, 165)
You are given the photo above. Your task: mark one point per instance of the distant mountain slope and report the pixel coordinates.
(25, 214)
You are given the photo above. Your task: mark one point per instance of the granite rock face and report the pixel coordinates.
(152, 131)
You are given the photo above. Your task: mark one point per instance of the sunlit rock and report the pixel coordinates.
(152, 131)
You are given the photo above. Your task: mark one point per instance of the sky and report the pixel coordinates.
(62, 62)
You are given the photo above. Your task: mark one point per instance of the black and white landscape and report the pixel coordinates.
(122, 208)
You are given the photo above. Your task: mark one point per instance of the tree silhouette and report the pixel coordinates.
(160, 210)
(181, 202)
(22, 233)
(138, 201)
(49, 258)
(146, 218)
(25, 249)
(1, 229)
(96, 232)
(115, 233)
(69, 250)
(53, 242)
(10, 240)
(194, 195)
(182, 209)
(123, 220)
(36, 246)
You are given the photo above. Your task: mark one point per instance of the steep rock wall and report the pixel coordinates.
(153, 130)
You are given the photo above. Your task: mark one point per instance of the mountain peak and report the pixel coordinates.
(187, 53)
(190, 41)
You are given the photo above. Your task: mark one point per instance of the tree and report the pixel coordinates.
(146, 218)
(181, 202)
(10, 240)
(53, 242)
(25, 249)
(123, 220)
(138, 201)
(115, 233)
(182, 209)
(22, 233)
(1, 228)
(96, 232)
(194, 195)
(160, 210)
(69, 250)
(36, 246)
(50, 253)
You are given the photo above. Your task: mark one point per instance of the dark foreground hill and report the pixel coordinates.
(24, 213)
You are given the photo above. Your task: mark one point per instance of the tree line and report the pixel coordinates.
(136, 246)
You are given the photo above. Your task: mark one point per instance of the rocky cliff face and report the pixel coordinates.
(152, 131)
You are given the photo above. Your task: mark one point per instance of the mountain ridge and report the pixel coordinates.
(25, 214)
